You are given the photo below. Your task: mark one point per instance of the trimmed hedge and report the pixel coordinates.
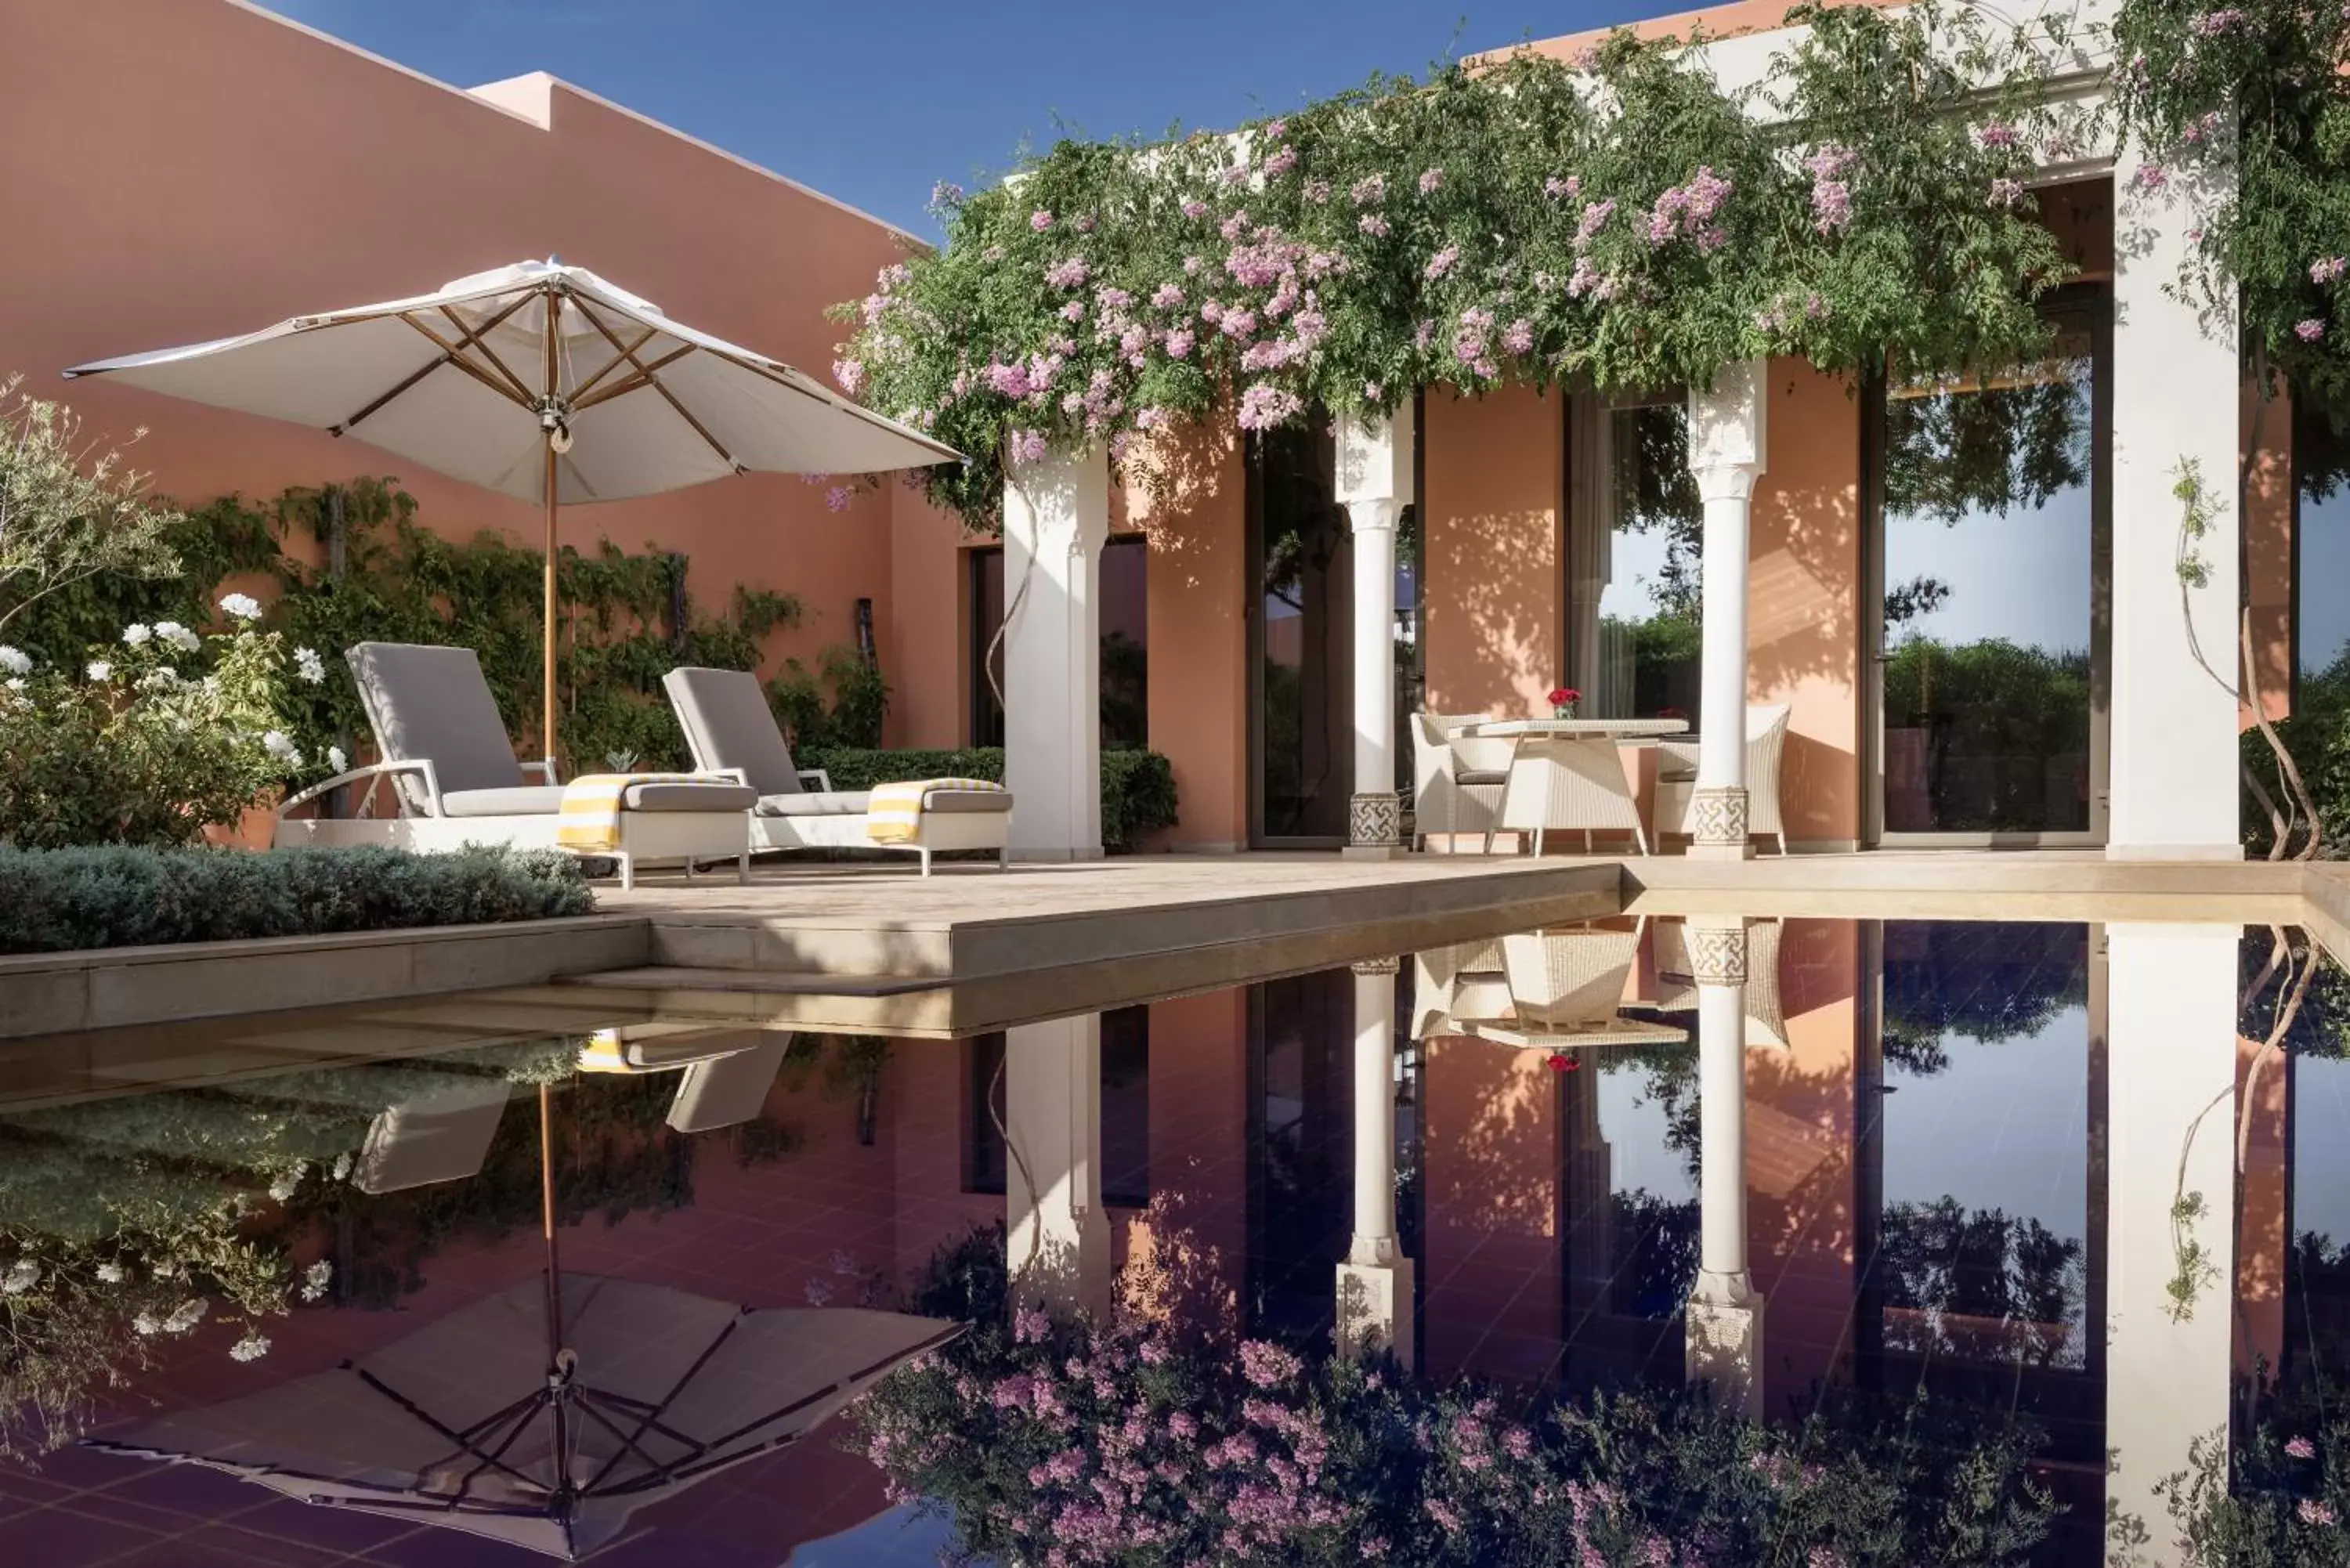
(112, 896)
(1138, 787)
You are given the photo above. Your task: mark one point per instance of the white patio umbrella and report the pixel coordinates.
(540, 381)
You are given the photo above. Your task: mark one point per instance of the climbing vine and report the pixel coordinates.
(383, 576)
(1621, 220)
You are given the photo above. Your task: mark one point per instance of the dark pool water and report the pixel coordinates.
(1963, 1148)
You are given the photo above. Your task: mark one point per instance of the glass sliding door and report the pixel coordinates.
(1990, 584)
(1125, 643)
(1635, 554)
(1300, 640)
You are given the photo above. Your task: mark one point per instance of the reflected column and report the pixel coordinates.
(1723, 1321)
(1056, 1234)
(1375, 1283)
(2171, 1018)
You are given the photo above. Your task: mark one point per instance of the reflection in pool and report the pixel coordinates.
(1923, 1210)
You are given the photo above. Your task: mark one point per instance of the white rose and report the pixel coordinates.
(240, 607)
(112, 1273)
(337, 762)
(15, 660)
(136, 634)
(309, 666)
(252, 1348)
(178, 636)
(99, 670)
(22, 1276)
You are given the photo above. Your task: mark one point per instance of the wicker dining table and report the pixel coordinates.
(1567, 774)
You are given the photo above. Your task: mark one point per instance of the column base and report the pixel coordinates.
(1718, 823)
(1375, 1310)
(1724, 1348)
(1373, 824)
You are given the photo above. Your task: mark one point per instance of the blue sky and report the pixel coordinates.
(872, 103)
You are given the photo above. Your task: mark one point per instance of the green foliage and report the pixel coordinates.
(851, 717)
(1138, 1441)
(157, 736)
(70, 513)
(2243, 113)
(627, 620)
(1619, 222)
(2318, 737)
(2010, 723)
(2278, 1498)
(1138, 787)
(59, 900)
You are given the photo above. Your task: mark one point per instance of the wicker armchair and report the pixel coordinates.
(1766, 738)
(1457, 780)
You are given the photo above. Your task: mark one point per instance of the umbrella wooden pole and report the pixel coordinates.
(547, 1220)
(547, 713)
(550, 334)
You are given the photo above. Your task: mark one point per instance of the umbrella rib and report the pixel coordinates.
(615, 362)
(669, 397)
(467, 338)
(942, 1337)
(463, 1444)
(652, 1412)
(632, 383)
(449, 355)
(453, 354)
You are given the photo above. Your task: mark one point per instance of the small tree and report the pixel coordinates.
(68, 510)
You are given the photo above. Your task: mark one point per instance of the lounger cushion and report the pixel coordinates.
(546, 800)
(855, 802)
(728, 723)
(815, 803)
(432, 704)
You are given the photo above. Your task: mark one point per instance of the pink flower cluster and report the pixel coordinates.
(1265, 406)
(1430, 182)
(1070, 272)
(1557, 188)
(850, 375)
(2328, 269)
(2309, 330)
(2218, 23)
(1370, 190)
(1690, 210)
(1830, 196)
(1996, 134)
(2006, 193)
(1443, 262)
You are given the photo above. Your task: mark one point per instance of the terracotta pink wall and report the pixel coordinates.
(2269, 547)
(1194, 512)
(1803, 1161)
(243, 169)
(930, 612)
(1495, 473)
(1803, 598)
(1491, 1169)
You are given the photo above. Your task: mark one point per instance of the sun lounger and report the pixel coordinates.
(452, 771)
(730, 731)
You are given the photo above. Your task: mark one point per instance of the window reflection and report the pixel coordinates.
(1990, 607)
(1637, 563)
(2321, 456)
(1125, 644)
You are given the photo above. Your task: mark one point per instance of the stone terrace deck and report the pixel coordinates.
(873, 946)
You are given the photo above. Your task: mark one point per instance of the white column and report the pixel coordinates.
(1055, 519)
(2171, 1049)
(1373, 483)
(1724, 1320)
(2171, 761)
(1375, 1283)
(1056, 1234)
(1728, 434)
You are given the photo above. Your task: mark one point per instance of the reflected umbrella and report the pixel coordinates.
(546, 1414)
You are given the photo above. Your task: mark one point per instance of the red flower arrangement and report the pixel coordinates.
(1562, 701)
(1560, 1062)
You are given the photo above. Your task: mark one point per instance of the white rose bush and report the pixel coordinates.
(154, 738)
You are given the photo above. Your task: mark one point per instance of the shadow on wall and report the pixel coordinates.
(1804, 596)
(1496, 588)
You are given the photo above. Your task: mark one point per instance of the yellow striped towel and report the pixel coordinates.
(895, 812)
(591, 807)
